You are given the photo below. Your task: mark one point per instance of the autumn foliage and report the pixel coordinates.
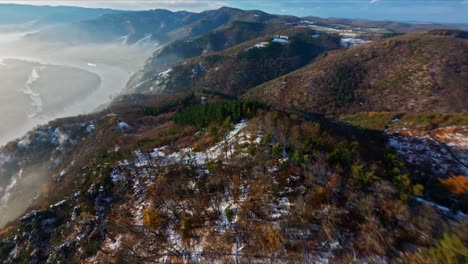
(457, 185)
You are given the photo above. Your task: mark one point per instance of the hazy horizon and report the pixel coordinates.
(448, 11)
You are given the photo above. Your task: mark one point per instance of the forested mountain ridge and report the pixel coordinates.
(237, 69)
(157, 26)
(176, 52)
(237, 32)
(417, 72)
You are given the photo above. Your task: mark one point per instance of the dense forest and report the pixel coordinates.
(225, 111)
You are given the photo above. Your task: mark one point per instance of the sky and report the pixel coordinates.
(442, 11)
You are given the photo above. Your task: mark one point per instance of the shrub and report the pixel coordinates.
(297, 156)
(251, 149)
(227, 122)
(418, 190)
(342, 154)
(213, 131)
(214, 165)
(187, 227)
(456, 185)
(276, 150)
(361, 174)
(393, 164)
(152, 219)
(316, 198)
(394, 209)
(406, 190)
(229, 214)
(269, 237)
(267, 138)
(314, 143)
(91, 249)
(449, 250)
(105, 179)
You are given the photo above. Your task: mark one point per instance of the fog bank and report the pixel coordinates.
(42, 81)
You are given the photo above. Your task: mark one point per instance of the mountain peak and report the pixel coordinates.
(227, 8)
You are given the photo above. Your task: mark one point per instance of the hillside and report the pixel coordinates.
(237, 69)
(176, 52)
(169, 182)
(420, 72)
(403, 87)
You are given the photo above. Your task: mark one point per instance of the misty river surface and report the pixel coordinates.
(43, 81)
(33, 93)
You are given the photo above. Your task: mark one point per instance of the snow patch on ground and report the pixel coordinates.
(444, 151)
(440, 207)
(281, 208)
(352, 42)
(116, 244)
(223, 149)
(117, 176)
(122, 125)
(160, 81)
(90, 128)
(280, 40)
(349, 35)
(261, 45)
(58, 137)
(59, 204)
(24, 142)
(165, 73)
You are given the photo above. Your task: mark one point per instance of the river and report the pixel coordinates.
(44, 81)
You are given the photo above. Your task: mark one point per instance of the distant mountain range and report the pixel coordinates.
(162, 26)
(45, 15)
(158, 26)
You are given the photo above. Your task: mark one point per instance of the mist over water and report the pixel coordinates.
(21, 189)
(42, 81)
